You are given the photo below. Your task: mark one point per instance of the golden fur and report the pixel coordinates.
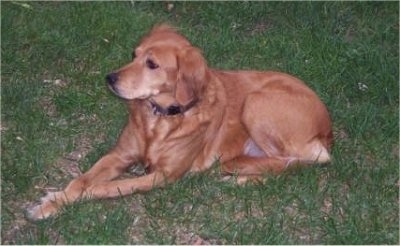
(252, 122)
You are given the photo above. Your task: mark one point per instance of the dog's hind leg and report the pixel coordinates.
(253, 168)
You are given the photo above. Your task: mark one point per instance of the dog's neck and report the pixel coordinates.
(173, 109)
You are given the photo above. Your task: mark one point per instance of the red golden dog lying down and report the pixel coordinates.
(185, 115)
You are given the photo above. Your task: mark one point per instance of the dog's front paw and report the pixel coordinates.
(48, 207)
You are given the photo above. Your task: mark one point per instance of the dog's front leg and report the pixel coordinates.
(124, 187)
(108, 167)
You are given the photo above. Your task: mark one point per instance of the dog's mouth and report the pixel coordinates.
(111, 80)
(114, 90)
(131, 95)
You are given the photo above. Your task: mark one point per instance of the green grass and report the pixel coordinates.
(54, 56)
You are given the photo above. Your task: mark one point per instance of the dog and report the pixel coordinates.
(185, 116)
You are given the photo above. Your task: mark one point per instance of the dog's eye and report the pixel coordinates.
(151, 64)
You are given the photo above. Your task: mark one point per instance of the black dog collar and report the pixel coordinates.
(171, 110)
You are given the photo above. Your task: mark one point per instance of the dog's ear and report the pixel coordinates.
(192, 76)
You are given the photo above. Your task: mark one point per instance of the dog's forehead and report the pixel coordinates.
(165, 38)
(165, 34)
(164, 54)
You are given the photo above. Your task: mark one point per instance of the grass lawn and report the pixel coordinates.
(58, 118)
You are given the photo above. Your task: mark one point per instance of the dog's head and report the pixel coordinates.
(165, 67)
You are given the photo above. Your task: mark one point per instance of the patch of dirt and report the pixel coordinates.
(53, 86)
(323, 182)
(183, 234)
(340, 134)
(87, 119)
(10, 235)
(260, 27)
(350, 35)
(68, 165)
(326, 209)
(186, 237)
(16, 227)
(3, 126)
(141, 221)
(48, 106)
(396, 151)
(16, 232)
(296, 222)
(292, 210)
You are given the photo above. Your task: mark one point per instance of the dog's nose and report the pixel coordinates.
(112, 78)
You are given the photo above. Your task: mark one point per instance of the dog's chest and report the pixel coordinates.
(174, 139)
